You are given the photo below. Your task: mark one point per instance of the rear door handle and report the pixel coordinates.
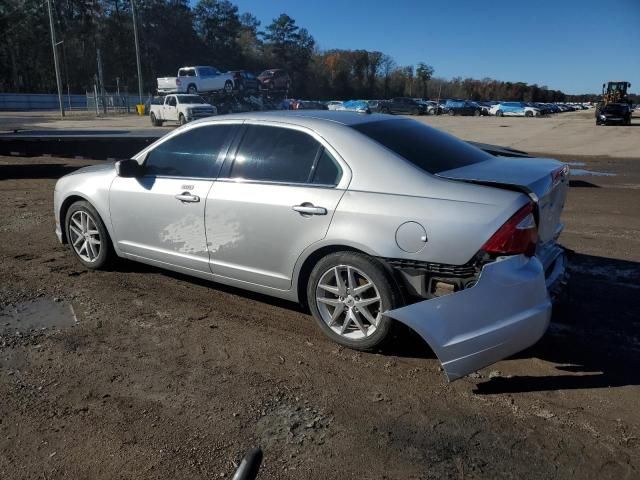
(187, 197)
(309, 209)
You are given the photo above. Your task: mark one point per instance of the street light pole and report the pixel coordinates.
(135, 35)
(55, 57)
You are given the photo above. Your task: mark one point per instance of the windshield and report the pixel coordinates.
(614, 108)
(427, 148)
(190, 99)
(267, 73)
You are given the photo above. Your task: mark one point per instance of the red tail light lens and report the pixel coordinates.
(178, 81)
(518, 235)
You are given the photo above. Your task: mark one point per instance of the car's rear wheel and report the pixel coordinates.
(452, 112)
(499, 113)
(87, 236)
(154, 121)
(528, 114)
(415, 111)
(477, 113)
(347, 293)
(228, 86)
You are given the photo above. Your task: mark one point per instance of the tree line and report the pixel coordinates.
(212, 32)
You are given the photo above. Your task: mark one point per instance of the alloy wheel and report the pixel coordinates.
(85, 236)
(349, 302)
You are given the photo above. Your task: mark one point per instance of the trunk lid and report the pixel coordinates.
(545, 180)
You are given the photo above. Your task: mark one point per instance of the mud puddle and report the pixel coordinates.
(39, 314)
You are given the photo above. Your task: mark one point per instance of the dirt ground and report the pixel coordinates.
(163, 376)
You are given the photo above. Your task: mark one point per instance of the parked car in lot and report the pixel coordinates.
(310, 105)
(245, 81)
(334, 104)
(463, 107)
(367, 219)
(617, 113)
(179, 108)
(402, 105)
(275, 79)
(514, 109)
(197, 80)
(361, 106)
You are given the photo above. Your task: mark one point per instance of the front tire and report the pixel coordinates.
(347, 293)
(87, 236)
(228, 87)
(499, 113)
(182, 120)
(452, 113)
(528, 114)
(192, 89)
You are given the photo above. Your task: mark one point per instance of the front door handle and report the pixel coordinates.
(187, 197)
(309, 209)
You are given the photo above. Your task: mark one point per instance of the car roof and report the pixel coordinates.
(305, 118)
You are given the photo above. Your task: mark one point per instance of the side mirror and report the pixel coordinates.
(128, 168)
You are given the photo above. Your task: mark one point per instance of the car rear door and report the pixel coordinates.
(159, 216)
(275, 196)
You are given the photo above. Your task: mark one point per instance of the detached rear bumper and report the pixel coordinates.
(507, 311)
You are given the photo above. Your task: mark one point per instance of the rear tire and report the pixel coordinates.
(154, 121)
(336, 297)
(452, 113)
(528, 114)
(228, 87)
(477, 113)
(87, 236)
(499, 113)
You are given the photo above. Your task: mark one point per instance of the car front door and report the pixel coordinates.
(170, 109)
(275, 196)
(159, 216)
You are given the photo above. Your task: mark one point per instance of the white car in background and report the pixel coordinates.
(514, 109)
(197, 80)
(334, 105)
(182, 108)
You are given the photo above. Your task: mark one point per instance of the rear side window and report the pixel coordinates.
(193, 153)
(427, 148)
(275, 154)
(326, 170)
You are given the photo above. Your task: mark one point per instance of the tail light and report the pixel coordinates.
(558, 174)
(177, 81)
(519, 235)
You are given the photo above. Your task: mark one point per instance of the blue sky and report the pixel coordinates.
(570, 45)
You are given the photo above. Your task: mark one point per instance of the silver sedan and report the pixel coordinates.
(368, 220)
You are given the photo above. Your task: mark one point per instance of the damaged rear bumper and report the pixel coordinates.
(507, 311)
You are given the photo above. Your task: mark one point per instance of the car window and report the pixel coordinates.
(172, 101)
(427, 148)
(186, 72)
(193, 153)
(326, 171)
(275, 154)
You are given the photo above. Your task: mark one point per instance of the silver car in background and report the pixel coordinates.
(367, 219)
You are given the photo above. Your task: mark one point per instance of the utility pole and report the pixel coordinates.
(55, 57)
(135, 35)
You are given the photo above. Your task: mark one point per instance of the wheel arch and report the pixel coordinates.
(304, 272)
(64, 208)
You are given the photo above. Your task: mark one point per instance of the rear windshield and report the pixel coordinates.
(425, 147)
(190, 99)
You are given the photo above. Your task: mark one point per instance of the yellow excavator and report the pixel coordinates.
(615, 98)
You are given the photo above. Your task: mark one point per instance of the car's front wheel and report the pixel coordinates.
(348, 293)
(87, 236)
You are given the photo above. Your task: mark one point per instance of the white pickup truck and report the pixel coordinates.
(181, 108)
(197, 79)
